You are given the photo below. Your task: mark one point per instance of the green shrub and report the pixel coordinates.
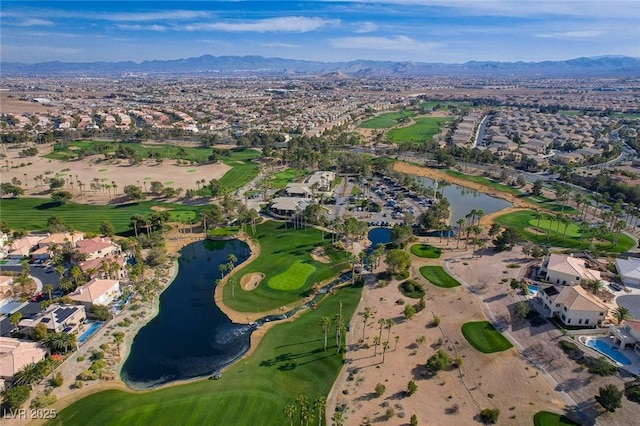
(414, 420)
(57, 380)
(389, 413)
(80, 358)
(380, 389)
(43, 401)
(633, 393)
(14, 397)
(436, 321)
(600, 366)
(97, 365)
(489, 415)
(409, 311)
(87, 375)
(412, 387)
(438, 361)
(78, 384)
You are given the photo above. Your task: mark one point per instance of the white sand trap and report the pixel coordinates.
(318, 254)
(250, 281)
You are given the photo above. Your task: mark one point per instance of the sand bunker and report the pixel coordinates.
(250, 281)
(318, 254)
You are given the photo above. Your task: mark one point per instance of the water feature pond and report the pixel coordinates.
(462, 200)
(379, 236)
(190, 337)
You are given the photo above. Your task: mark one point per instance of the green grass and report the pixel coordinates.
(484, 181)
(243, 171)
(223, 232)
(522, 220)
(355, 191)
(293, 278)
(437, 276)
(572, 230)
(549, 204)
(419, 133)
(545, 418)
(32, 214)
(281, 179)
(484, 337)
(426, 251)
(385, 121)
(289, 361)
(279, 249)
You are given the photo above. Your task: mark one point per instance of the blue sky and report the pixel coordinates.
(451, 31)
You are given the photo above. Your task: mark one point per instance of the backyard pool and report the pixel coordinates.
(532, 290)
(90, 331)
(607, 349)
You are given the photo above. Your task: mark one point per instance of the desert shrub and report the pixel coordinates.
(80, 358)
(87, 375)
(409, 312)
(389, 413)
(489, 415)
(412, 387)
(57, 380)
(412, 289)
(633, 393)
(43, 401)
(458, 362)
(600, 366)
(380, 389)
(436, 321)
(438, 361)
(97, 365)
(96, 355)
(15, 396)
(414, 420)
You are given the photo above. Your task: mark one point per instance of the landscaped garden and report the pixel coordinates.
(419, 133)
(437, 276)
(484, 337)
(289, 361)
(286, 263)
(545, 418)
(552, 232)
(426, 251)
(32, 214)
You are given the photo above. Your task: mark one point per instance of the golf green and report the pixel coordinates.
(546, 418)
(437, 276)
(484, 337)
(293, 278)
(425, 251)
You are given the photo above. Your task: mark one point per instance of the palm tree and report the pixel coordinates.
(460, 222)
(222, 268)
(59, 342)
(397, 338)
(48, 288)
(376, 342)
(118, 337)
(232, 281)
(479, 214)
(594, 285)
(389, 323)
(620, 314)
(385, 348)
(382, 323)
(28, 375)
(15, 318)
(290, 411)
(320, 404)
(366, 315)
(325, 322)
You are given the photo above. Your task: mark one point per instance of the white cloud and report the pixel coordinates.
(383, 43)
(572, 34)
(168, 15)
(366, 27)
(34, 22)
(295, 24)
(283, 45)
(153, 27)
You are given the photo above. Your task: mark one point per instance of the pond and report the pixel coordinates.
(190, 337)
(379, 236)
(462, 200)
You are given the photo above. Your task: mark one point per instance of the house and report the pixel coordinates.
(629, 270)
(96, 292)
(105, 267)
(16, 353)
(298, 190)
(567, 270)
(627, 335)
(6, 289)
(43, 252)
(288, 206)
(572, 305)
(57, 319)
(22, 247)
(97, 247)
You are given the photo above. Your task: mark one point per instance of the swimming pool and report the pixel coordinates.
(532, 289)
(608, 350)
(90, 331)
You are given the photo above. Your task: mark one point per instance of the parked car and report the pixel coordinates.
(615, 286)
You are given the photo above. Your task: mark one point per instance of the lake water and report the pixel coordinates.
(462, 200)
(379, 236)
(190, 337)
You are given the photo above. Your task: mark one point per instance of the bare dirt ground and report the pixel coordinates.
(501, 380)
(318, 254)
(106, 172)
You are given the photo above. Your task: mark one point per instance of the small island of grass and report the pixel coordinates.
(546, 418)
(437, 276)
(484, 337)
(412, 289)
(425, 251)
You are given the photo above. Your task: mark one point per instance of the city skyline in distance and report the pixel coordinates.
(454, 31)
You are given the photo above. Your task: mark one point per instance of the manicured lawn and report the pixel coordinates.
(572, 230)
(545, 418)
(485, 182)
(243, 171)
(32, 214)
(426, 251)
(223, 232)
(294, 277)
(385, 121)
(280, 248)
(437, 276)
(281, 179)
(419, 133)
(484, 337)
(549, 204)
(525, 219)
(289, 361)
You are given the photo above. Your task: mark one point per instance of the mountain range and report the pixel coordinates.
(208, 65)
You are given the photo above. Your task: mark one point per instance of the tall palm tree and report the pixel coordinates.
(118, 337)
(460, 222)
(290, 411)
(325, 322)
(389, 323)
(48, 288)
(365, 315)
(320, 404)
(15, 318)
(385, 348)
(621, 313)
(376, 342)
(382, 323)
(479, 214)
